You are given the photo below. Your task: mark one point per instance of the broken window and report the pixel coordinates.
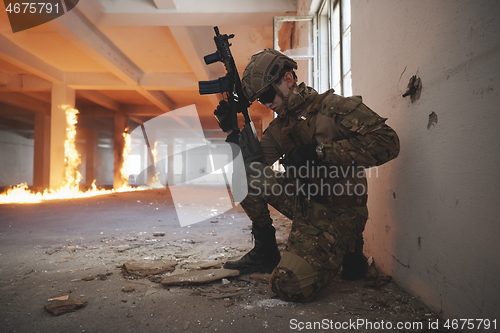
(295, 37)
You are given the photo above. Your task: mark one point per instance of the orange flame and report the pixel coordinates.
(155, 182)
(72, 177)
(126, 152)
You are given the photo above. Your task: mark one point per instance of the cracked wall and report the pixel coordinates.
(434, 210)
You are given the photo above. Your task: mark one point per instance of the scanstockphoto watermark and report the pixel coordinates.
(355, 325)
(311, 180)
(384, 325)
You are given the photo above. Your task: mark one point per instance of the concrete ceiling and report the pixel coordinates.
(141, 57)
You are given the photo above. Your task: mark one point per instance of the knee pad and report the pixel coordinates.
(295, 280)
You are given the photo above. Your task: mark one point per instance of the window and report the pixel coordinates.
(334, 44)
(295, 36)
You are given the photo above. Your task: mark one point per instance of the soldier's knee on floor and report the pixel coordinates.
(294, 279)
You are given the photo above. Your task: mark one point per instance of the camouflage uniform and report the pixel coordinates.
(325, 226)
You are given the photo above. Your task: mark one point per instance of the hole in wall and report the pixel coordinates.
(414, 88)
(433, 119)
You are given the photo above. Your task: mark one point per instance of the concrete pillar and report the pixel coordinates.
(62, 98)
(41, 166)
(162, 162)
(184, 164)
(171, 174)
(90, 156)
(121, 121)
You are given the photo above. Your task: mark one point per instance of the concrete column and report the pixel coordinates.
(62, 98)
(121, 121)
(184, 164)
(41, 165)
(171, 174)
(90, 156)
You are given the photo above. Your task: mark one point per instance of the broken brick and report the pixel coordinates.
(198, 277)
(147, 268)
(58, 308)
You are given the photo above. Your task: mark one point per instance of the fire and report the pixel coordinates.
(155, 182)
(126, 153)
(72, 177)
(71, 157)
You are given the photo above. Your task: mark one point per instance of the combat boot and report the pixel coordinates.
(263, 258)
(354, 264)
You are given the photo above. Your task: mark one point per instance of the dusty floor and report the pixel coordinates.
(47, 248)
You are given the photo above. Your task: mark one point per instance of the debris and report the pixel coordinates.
(370, 261)
(88, 278)
(144, 284)
(271, 303)
(372, 273)
(103, 277)
(158, 234)
(263, 278)
(379, 282)
(155, 278)
(150, 292)
(228, 289)
(205, 265)
(225, 281)
(198, 277)
(60, 298)
(123, 248)
(58, 308)
(211, 265)
(53, 250)
(146, 268)
(128, 289)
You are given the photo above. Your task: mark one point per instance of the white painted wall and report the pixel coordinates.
(434, 211)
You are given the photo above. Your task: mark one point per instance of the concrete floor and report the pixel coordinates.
(46, 248)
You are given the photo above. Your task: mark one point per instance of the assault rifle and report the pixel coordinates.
(233, 98)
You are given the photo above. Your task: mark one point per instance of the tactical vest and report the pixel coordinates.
(302, 131)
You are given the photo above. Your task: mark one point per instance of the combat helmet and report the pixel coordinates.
(264, 68)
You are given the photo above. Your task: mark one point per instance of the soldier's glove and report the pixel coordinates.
(234, 137)
(227, 120)
(301, 155)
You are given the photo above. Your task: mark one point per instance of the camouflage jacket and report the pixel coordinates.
(352, 134)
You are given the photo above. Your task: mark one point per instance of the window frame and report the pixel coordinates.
(314, 76)
(333, 55)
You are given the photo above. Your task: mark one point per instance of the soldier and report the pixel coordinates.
(325, 141)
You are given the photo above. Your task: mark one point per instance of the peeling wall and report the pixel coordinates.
(434, 210)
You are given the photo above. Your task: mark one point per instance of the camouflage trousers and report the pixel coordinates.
(320, 236)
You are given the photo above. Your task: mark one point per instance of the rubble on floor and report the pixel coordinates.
(198, 276)
(148, 267)
(59, 307)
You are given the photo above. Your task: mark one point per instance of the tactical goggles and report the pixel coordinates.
(267, 96)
